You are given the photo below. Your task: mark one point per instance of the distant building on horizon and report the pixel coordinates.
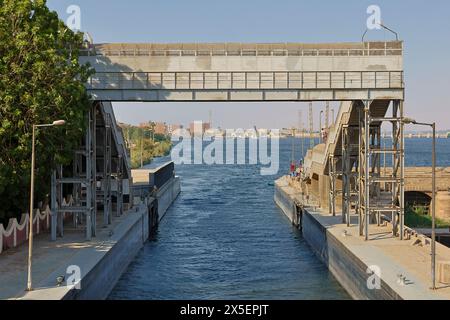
(171, 128)
(205, 126)
(161, 127)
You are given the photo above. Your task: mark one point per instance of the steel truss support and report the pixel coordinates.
(398, 171)
(91, 184)
(371, 202)
(349, 160)
(54, 207)
(106, 177)
(96, 151)
(346, 171)
(332, 174)
(364, 170)
(119, 207)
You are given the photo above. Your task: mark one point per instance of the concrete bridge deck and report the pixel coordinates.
(246, 72)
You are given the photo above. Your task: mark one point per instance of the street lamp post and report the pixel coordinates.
(433, 203)
(320, 126)
(33, 161)
(142, 147)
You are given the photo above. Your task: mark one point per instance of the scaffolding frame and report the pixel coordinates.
(371, 205)
(86, 194)
(350, 169)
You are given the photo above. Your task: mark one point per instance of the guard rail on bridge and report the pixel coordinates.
(246, 80)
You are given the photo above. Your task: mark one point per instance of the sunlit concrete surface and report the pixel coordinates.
(246, 71)
(410, 258)
(51, 259)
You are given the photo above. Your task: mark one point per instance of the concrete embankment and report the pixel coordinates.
(351, 259)
(100, 262)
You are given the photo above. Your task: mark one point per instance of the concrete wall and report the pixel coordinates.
(167, 194)
(443, 205)
(101, 279)
(243, 63)
(106, 271)
(346, 267)
(284, 201)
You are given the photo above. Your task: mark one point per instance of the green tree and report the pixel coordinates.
(40, 81)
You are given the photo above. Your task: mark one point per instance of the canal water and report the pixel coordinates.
(224, 238)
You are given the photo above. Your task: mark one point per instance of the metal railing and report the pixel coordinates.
(246, 80)
(369, 49)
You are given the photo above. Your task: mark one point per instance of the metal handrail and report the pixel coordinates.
(254, 80)
(342, 52)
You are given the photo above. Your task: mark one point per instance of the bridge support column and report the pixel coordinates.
(332, 174)
(88, 179)
(119, 192)
(346, 171)
(350, 154)
(398, 171)
(106, 177)
(372, 202)
(364, 169)
(54, 207)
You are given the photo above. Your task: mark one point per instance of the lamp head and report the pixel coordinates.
(59, 122)
(409, 121)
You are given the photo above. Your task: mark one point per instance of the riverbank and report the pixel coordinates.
(349, 257)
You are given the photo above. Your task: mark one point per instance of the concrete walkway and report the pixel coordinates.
(51, 259)
(393, 256)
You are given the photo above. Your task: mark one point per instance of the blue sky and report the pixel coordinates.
(423, 25)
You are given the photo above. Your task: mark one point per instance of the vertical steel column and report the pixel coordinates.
(94, 169)
(59, 191)
(366, 168)
(332, 181)
(106, 181)
(346, 171)
(402, 173)
(88, 178)
(75, 190)
(104, 175)
(395, 146)
(108, 168)
(119, 186)
(360, 174)
(378, 158)
(54, 206)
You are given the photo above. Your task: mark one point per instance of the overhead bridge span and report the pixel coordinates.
(246, 72)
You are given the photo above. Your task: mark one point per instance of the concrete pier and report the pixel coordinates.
(350, 258)
(101, 261)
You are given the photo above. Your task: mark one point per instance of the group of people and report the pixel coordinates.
(296, 169)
